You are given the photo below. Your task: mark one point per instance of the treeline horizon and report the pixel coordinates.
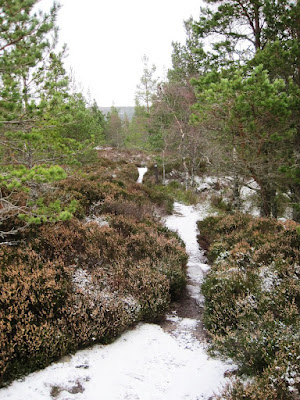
(230, 109)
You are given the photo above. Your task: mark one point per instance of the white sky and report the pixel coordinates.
(107, 39)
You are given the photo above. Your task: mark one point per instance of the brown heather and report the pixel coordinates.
(71, 284)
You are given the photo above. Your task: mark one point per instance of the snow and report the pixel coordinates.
(247, 192)
(222, 185)
(98, 219)
(103, 148)
(142, 171)
(206, 182)
(146, 363)
(268, 278)
(82, 279)
(184, 222)
(184, 333)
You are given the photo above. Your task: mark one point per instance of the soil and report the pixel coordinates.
(186, 307)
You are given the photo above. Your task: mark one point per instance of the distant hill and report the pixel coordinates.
(123, 111)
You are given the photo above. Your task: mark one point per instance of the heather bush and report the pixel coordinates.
(252, 302)
(85, 191)
(159, 197)
(33, 291)
(162, 248)
(279, 381)
(113, 188)
(73, 283)
(132, 209)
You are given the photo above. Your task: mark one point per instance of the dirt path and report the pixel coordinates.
(190, 306)
(185, 309)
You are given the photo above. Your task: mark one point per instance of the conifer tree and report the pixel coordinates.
(137, 134)
(114, 130)
(37, 116)
(239, 28)
(261, 34)
(189, 60)
(148, 85)
(23, 43)
(249, 117)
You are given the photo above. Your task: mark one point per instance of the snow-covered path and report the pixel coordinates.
(184, 221)
(146, 363)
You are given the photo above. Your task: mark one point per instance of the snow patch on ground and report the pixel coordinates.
(142, 171)
(184, 222)
(247, 193)
(184, 333)
(268, 278)
(99, 220)
(82, 280)
(206, 182)
(222, 186)
(145, 363)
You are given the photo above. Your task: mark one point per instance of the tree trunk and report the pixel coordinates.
(187, 175)
(296, 202)
(29, 155)
(296, 185)
(257, 29)
(192, 175)
(164, 169)
(236, 193)
(268, 202)
(156, 172)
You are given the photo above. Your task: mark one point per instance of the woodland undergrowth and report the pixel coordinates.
(66, 285)
(252, 302)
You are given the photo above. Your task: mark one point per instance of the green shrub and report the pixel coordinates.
(159, 197)
(252, 301)
(221, 204)
(279, 381)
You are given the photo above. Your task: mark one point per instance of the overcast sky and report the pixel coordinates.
(107, 39)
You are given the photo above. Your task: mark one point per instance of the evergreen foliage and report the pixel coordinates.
(43, 126)
(265, 101)
(148, 84)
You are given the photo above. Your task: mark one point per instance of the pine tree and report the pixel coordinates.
(188, 60)
(248, 116)
(114, 130)
(239, 28)
(148, 85)
(41, 123)
(258, 35)
(137, 134)
(23, 43)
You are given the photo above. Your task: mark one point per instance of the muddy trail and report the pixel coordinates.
(185, 308)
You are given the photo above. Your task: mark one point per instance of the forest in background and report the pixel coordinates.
(230, 105)
(229, 108)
